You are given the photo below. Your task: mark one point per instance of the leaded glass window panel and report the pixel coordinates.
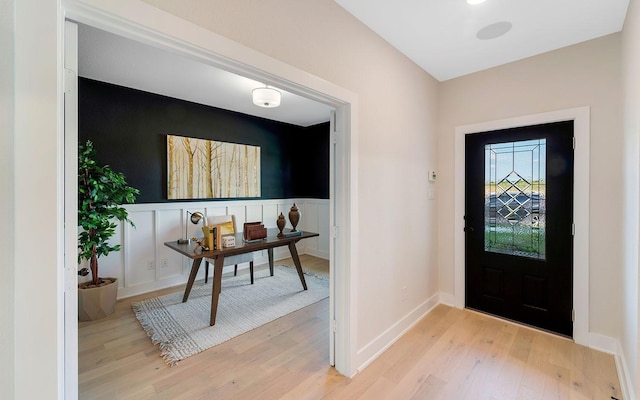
(515, 176)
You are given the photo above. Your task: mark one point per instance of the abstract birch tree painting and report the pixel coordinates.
(207, 169)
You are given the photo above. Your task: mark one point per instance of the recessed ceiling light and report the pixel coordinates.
(494, 30)
(472, 2)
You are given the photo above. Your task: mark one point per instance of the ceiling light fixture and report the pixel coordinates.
(266, 97)
(473, 2)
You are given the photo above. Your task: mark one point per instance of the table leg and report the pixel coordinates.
(217, 288)
(294, 254)
(270, 254)
(192, 277)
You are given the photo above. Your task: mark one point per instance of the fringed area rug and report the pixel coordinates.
(182, 329)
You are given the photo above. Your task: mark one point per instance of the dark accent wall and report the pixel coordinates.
(128, 128)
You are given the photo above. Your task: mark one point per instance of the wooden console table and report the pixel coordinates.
(193, 251)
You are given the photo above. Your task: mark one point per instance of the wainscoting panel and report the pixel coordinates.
(317, 217)
(140, 262)
(170, 262)
(240, 211)
(312, 210)
(270, 214)
(145, 264)
(254, 213)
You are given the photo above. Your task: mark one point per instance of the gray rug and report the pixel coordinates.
(182, 329)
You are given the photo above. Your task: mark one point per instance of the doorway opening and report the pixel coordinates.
(299, 83)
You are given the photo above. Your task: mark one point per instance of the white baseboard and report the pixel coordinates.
(263, 259)
(626, 382)
(318, 253)
(448, 299)
(602, 343)
(130, 291)
(379, 345)
(613, 346)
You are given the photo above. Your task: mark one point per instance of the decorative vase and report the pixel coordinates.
(294, 217)
(281, 222)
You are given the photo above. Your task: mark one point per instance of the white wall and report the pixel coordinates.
(37, 163)
(6, 199)
(585, 74)
(158, 223)
(630, 332)
(397, 143)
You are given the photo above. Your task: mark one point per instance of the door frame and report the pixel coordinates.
(539, 292)
(582, 130)
(145, 23)
(70, 135)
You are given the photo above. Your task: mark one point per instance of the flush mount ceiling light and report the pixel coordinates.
(494, 30)
(472, 2)
(266, 97)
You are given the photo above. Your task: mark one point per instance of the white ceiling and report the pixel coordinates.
(114, 59)
(440, 35)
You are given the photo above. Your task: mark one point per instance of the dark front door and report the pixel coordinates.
(518, 224)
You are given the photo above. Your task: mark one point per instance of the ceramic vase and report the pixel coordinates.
(281, 222)
(294, 217)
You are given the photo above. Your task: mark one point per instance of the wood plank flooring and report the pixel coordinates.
(450, 354)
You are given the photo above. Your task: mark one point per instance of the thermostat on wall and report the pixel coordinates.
(432, 176)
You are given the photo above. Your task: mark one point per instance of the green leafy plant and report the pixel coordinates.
(101, 193)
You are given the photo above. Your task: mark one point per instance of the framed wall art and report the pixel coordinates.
(209, 169)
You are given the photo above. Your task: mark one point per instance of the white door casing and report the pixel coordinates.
(70, 210)
(581, 118)
(333, 236)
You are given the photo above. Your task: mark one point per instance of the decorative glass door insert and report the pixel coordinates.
(515, 191)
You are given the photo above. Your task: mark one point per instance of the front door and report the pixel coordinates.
(518, 224)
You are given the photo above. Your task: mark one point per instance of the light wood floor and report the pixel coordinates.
(451, 354)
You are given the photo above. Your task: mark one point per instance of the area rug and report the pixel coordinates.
(182, 329)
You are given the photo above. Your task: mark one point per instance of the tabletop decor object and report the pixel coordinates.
(202, 243)
(291, 234)
(254, 231)
(281, 222)
(228, 241)
(195, 218)
(294, 217)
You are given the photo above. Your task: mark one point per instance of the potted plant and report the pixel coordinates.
(101, 193)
